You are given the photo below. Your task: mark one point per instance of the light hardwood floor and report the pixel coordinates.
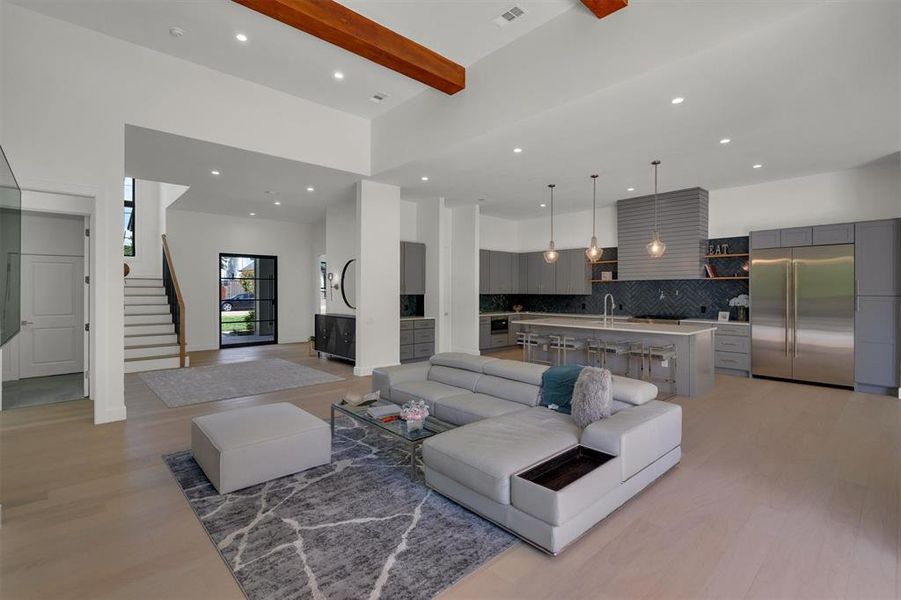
(784, 491)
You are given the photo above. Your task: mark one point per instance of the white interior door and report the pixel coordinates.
(52, 334)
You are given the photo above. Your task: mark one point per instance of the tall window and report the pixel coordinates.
(128, 236)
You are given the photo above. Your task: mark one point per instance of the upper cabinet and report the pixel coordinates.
(500, 277)
(573, 273)
(877, 246)
(412, 269)
(818, 235)
(542, 277)
(484, 271)
(682, 224)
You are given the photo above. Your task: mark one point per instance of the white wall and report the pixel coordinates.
(196, 239)
(147, 261)
(499, 234)
(409, 221)
(340, 247)
(64, 109)
(869, 192)
(54, 235)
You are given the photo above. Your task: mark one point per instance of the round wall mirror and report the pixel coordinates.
(349, 283)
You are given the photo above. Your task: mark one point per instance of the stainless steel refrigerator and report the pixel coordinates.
(802, 313)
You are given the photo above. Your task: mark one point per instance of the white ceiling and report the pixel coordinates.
(813, 91)
(283, 58)
(244, 177)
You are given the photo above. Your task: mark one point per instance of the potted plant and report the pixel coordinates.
(741, 303)
(414, 413)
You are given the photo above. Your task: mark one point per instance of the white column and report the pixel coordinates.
(377, 276)
(464, 292)
(434, 221)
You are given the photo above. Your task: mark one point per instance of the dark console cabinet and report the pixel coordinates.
(336, 335)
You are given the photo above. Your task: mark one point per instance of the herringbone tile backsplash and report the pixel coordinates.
(686, 298)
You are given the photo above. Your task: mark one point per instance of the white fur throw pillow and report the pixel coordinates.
(592, 396)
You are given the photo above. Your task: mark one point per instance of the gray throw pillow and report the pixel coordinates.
(592, 396)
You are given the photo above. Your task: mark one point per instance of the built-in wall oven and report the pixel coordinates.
(500, 325)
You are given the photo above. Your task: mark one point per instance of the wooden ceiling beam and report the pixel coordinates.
(338, 25)
(602, 8)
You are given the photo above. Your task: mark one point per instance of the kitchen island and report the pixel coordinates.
(692, 342)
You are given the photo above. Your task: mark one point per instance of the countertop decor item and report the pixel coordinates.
(741, 302)
(594, 253)
(551, 255)
(655, 247)
(517, 308)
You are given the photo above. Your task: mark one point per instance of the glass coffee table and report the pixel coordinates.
(396, 429)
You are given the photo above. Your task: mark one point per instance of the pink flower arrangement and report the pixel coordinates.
(415, 410)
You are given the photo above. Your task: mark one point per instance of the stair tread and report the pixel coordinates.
(152, 346)
(146, 334)
(160, 357)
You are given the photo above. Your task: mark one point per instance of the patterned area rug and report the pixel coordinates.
(181, 387)
(355, 528)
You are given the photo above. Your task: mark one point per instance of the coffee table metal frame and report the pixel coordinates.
(396, 429)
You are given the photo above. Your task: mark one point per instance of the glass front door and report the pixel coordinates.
(248, 294)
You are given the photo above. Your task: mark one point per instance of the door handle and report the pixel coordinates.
(795, 315)
(24, 323)
(787, 302)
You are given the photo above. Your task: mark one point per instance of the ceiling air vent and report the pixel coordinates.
(378, 97)
(511, 15)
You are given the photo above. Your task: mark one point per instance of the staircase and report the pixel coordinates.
(155, 321)
(151, 342)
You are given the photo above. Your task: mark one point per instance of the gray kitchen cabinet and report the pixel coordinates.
(876, 333)
(514, 274)
(484, 333)
(542, 276)
(484, 272)
(500, 272)
(412, 268)
(841, 233)
(417, 339)
(523, 274)
(770, 238)
(796, 236)
(877, 257)
(573, 273)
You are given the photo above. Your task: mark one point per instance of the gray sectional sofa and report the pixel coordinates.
(501, 433)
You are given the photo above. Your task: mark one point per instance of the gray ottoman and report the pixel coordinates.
(247, 446)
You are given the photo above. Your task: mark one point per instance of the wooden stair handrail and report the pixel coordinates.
(182, 315)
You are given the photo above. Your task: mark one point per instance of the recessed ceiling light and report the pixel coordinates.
(424, 178)
(214, 172)
(758, 166)
(517, 150)
(277, 203)
(241, 37)
(338, 75)
(311, 189)
(253, 214)
(543, 205)
(630, 189)
(725, 141)
(678, 100)
(176, 31)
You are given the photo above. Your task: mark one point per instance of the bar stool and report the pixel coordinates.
(564, 345)
(530, 340)
(635, 350)
(665, 353)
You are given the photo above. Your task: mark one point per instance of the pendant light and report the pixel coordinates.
(593, 252)
(655, 247)
(551, 255)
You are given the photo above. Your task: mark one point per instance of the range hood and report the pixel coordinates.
(682, 223)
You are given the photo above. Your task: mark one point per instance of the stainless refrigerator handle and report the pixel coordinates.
(787, 302)
(857, 295)
(795, 303)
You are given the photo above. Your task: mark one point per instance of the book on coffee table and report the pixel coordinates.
(380, 411)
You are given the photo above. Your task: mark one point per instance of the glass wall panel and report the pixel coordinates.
(10, 251)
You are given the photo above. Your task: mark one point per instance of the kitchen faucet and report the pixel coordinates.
(612, 306)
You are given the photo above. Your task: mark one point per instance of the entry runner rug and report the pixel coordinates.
(355, 528)
(194, 385)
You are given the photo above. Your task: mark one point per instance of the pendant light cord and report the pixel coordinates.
(594, 205)
(656, 163)
(552, 210)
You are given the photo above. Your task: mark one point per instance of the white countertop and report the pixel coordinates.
(598, 325)
(716, 322)
(619, 317)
